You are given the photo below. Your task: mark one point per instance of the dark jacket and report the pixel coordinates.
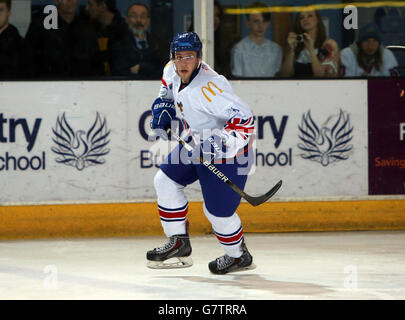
(13, 59)
(118, 56)
(67, 51)
(151, 59)
(222, 53)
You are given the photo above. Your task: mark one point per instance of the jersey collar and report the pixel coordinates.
(193, 75)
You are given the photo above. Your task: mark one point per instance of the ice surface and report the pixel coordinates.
(333, 265)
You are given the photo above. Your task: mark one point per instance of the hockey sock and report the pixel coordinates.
(228, 231)
(172, 204)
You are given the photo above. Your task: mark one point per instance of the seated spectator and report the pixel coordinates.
(309, 52)
(367, 57)
(12, 47)
(54, 52)
(222, 44)
(254, 55)
(150, 54)
(113, 36)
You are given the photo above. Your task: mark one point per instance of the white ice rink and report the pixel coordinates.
(341, 265)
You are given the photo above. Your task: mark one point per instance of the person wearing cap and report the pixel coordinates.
(367, 57)
(220, 127)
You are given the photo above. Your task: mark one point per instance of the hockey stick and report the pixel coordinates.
(254, 201)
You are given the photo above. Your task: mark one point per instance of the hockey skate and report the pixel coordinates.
(174, 254)
(226, 264)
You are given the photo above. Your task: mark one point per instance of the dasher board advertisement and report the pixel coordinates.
(310, 134)
(386, 136)
(88, 141)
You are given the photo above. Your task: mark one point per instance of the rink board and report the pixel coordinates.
(75, 158)
(74, 142)
(142, 219)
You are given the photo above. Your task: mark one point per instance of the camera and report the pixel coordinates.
(323, 53)
(300, 38)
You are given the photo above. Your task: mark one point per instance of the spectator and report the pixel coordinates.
(367, 57)
(11, 45)
(222, 44)
(53, 50)
(149, 53)
(309, 52)
(254, 55)
(113, 36)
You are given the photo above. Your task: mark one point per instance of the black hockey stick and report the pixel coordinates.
(254, 201)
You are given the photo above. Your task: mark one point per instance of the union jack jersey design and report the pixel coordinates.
(238, 127)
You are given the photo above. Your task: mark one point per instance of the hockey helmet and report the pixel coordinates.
(185, 41)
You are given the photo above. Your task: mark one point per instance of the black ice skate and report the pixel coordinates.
(174, 254)
(227, 264)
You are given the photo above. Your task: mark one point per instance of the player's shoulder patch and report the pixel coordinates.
(168, 73)
(207, 70)
(168, 64)
(168, 70)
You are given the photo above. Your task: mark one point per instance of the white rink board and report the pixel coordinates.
(125, 172)
(291, 100)
(58, 182)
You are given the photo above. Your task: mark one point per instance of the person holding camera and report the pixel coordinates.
(310, 53)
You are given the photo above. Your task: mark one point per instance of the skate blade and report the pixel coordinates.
(172, 263)
(251, 267)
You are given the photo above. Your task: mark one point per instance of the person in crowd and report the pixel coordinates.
(113, 37)
(148, 51)
(222, 43)
(254, 55)
(309, 52)
(367, 57)
(55, 51)
(12, 47)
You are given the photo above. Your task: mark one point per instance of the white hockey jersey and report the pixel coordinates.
(208, 104)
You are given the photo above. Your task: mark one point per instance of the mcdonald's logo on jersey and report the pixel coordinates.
(209, 89)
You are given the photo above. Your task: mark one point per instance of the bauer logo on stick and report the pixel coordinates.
(215, 171)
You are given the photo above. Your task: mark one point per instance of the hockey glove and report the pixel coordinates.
(163, 112)
(209, 150)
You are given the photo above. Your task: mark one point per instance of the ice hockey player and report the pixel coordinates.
(220, 127)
